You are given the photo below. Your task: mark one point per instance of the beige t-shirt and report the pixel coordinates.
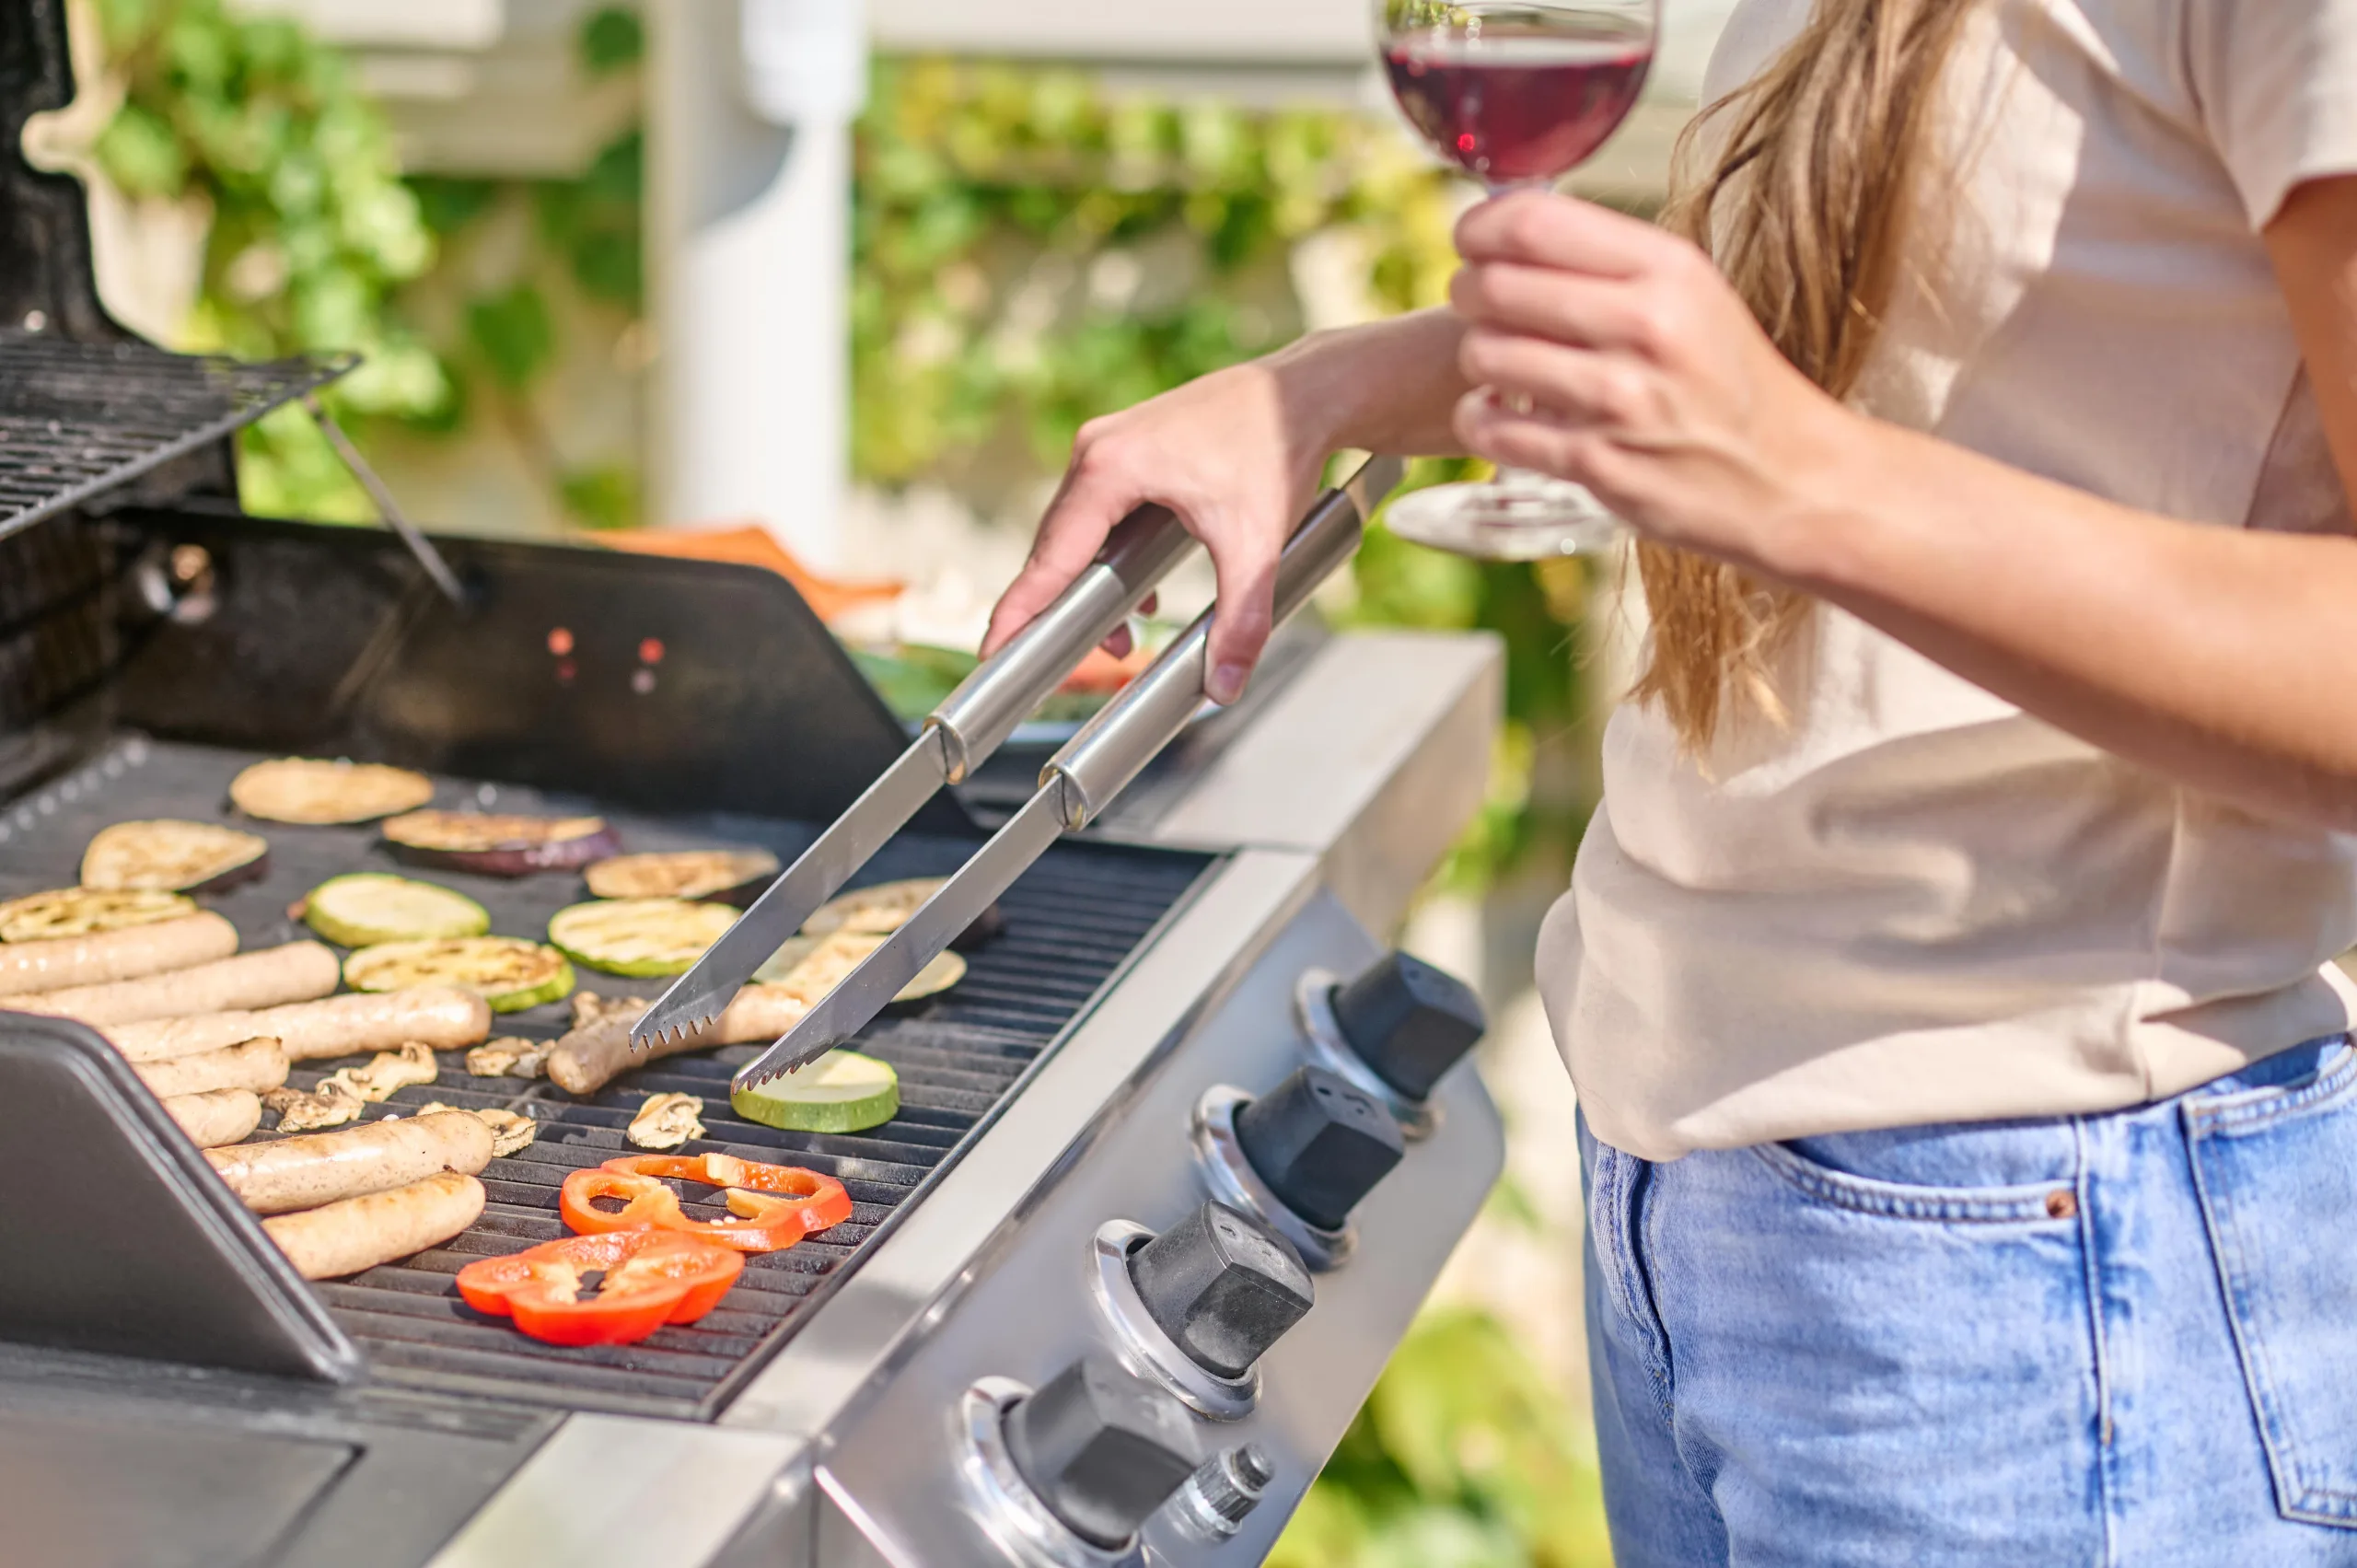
(1916, 903)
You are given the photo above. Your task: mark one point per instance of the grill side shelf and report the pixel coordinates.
(119, 1236)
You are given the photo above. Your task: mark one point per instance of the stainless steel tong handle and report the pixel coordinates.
(1117, 744)
(976, 718)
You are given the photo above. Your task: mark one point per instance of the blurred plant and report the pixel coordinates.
(1461, 1458)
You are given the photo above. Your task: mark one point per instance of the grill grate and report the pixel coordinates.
(1070, 922)
(79, 419)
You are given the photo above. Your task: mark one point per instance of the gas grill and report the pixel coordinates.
(170, 1393)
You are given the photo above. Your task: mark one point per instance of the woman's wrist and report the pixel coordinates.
(1386, 386)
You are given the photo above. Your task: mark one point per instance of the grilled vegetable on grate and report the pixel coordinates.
(884, 908)
(320, 793)
(511, 1132)
(774, 1205)
(369, 907)
(86, 911)
(32, 966)
(215, 1117)
(332, 1104)
(597, 1049)
(810, 967)
(325, 1167)
(649, 1278)
(841, 1092)
(297, 972)
(440, 1016)
(494, 846)
(639, 938)
(666, 1121)
(729, 875)
(511, 1057)
(255, 1066)
(173, 856)
(346, 1236)
(506, 971)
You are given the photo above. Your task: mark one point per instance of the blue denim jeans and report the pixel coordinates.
(2122, 1340)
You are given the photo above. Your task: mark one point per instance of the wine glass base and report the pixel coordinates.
(1506, 522)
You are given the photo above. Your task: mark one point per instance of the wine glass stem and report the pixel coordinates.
(1521, 481)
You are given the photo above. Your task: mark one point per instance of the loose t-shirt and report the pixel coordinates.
(1914, 902)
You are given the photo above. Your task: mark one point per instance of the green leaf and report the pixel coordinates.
(612, 38)
(141, 155)
(602, 497)
(514, 333)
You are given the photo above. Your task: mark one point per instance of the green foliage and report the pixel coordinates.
(1462, 1458)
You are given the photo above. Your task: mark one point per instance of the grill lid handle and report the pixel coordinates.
(975, 719)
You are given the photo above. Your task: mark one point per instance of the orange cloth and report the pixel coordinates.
(749, 545)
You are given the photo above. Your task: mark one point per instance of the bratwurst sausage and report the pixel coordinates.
(595, 1054)
(360, 1233)
(325, 1167)
(256, 1065)
(441, 1017)
(32, 966)
(296, 972)
(215, 1117)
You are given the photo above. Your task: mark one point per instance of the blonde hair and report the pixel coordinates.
(1802, 203)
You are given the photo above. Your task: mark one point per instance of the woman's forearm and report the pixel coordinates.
(1386, 387)
(2222, 657)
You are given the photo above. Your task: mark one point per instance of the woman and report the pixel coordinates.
(1947, 979)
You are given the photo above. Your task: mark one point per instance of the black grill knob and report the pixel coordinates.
(1320, 1144)
(1222, 1285)
(1101, 1450)
(1409, 1021)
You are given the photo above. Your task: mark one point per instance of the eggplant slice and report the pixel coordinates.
(85, 911)
(320, 793)
(726, 874)
(497, 845)
(172, 856)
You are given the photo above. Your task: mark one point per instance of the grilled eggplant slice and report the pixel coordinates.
(639, 936)
(320, 793)
(495, 845)
(505, 972)
(172, 856)
(372, 907)
(86, 912)
(732, 876)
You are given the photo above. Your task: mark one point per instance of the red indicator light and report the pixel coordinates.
(560, 642)
(651, 651)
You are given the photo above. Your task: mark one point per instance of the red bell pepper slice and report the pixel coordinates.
(652, 1277)
(774, 1205)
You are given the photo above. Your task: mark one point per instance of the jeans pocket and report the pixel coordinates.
(2043, 1202)
(2276, 1170)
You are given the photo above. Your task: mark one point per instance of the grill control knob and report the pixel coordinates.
(1320, 1144)
(1101, 1450)
(1222, 1286)
(1409, 1022)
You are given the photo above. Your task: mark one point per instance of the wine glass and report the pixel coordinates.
(1519, 93)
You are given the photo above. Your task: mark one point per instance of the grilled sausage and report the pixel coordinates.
(590, 1057)
(296, 972)
(255, 1066)
(27, 968)
(440, 1016)
(325, 1167)
(215, 1117)
(346, 1236)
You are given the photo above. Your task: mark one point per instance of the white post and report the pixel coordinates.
(749, 249)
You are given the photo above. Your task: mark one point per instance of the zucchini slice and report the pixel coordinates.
(841, 1092)
(372, 907)
(812, 966)
(82, 912)
(683, 874)
(884, 908)
(496, 845)
(639, 938)
(171, 856)
(318, 793)
(506, 971)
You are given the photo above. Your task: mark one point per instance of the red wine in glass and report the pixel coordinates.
(1517, 93)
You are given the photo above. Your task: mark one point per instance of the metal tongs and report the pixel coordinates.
(958, 736)
(1077, 784)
